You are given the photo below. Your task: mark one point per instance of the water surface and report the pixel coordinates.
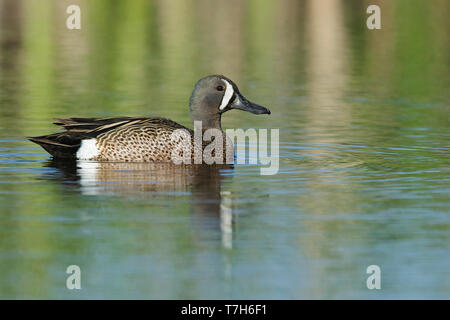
(364, 151)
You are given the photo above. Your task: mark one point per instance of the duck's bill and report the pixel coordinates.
(241, 103)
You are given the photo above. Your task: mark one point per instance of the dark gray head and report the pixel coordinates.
(216, 94)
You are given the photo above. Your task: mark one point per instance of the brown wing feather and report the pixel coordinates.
(65, 144)
(92, 127)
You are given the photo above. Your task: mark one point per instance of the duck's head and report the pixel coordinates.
(216, 94)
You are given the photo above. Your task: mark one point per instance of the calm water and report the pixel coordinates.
(364, 151)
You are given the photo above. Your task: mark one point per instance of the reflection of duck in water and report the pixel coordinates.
(142, 177)
(148, 139)
(209, 205)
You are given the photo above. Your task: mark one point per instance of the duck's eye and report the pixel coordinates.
(219, 88)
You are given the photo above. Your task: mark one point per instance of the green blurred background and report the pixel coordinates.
(364, 150)
(144, 56)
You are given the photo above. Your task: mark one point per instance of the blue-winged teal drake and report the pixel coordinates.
(130, 139)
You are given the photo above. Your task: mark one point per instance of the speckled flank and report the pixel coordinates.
(144, 141)
(148, 140)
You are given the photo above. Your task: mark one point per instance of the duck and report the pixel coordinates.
(148, 139)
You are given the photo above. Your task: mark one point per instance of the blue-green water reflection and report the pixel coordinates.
(364, 153)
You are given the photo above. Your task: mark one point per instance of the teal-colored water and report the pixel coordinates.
(364, 174)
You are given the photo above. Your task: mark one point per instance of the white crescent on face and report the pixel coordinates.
(227, 95)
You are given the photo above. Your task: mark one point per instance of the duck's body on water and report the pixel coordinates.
(140, 139)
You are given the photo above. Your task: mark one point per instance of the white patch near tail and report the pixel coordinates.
(88, 149)
(227, 95)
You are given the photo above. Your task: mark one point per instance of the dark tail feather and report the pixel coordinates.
(65, 144)
(59, 145)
